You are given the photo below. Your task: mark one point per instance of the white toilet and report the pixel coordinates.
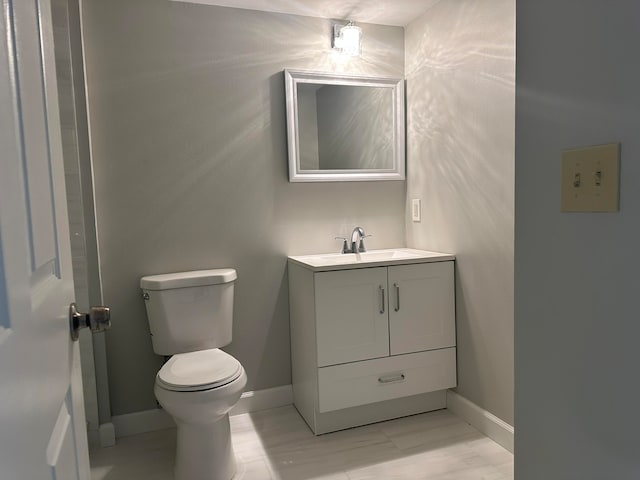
(190, 317)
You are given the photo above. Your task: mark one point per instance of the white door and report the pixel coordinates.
(421, 307)
(42, 425)
(351, 315)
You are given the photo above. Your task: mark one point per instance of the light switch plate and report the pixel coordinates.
(591, 179)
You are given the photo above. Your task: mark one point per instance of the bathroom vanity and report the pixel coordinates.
(372, 335)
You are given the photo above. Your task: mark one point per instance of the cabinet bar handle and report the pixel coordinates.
(381, 299)
(397, 297)
(391, 378)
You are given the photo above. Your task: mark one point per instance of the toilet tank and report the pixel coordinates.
(189, 311)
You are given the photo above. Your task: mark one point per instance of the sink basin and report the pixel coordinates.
(373, 256)
(394, 256)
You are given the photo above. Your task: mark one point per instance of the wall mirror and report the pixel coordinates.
(344, 128)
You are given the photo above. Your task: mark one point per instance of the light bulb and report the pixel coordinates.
(350, 35)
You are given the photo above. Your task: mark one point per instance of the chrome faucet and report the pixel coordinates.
(357, 238)
(357, 241)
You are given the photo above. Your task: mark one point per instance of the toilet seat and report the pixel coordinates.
(199, 370)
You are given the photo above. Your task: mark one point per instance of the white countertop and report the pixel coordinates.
(374, 258)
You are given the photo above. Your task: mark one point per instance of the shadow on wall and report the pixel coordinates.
(271, 333)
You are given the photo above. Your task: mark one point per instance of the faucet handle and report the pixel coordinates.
(361, 248)
(345, 246)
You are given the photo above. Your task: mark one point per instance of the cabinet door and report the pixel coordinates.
(421, 307)
(351, 315)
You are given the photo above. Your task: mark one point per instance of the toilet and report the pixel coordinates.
(190, 317)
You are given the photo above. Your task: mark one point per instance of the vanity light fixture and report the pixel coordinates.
(346, 39)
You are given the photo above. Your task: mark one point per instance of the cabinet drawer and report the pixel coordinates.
(369, 381)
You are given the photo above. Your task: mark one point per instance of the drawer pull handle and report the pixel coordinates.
(397, 309)
(381, 299)
(391, 378)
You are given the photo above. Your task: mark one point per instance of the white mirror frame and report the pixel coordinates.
(295, 77)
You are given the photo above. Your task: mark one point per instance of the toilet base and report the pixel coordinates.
(204, 451)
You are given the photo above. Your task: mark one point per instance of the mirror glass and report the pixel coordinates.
(344, 128)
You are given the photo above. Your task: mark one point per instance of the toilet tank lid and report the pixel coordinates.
(196, 278)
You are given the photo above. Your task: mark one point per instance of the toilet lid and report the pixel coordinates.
(200, 370)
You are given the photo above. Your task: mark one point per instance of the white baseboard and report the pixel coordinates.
(107, 435)
(158, 419)
(263, 399)
(497, 430)
(142, 422)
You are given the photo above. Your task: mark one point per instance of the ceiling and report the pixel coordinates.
(383, 12)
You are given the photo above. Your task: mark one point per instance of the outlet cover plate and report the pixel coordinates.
(591, 179)
(416, 210)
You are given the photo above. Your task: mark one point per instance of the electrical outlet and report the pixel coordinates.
(591, 179)
(416, 214)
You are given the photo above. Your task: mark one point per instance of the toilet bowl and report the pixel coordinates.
(190, 317)
(200, 403)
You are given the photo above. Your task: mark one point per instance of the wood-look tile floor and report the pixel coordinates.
(277, 445)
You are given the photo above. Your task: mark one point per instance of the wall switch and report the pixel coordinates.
(416, 214)
(591, 179)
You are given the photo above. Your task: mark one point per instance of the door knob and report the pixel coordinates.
(98, 319)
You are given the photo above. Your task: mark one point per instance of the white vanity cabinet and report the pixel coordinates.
(372, 340)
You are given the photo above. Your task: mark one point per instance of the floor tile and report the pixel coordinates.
(277, 444)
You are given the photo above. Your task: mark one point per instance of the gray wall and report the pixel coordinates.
(460, 98)
(576, 274)
(187, 115)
